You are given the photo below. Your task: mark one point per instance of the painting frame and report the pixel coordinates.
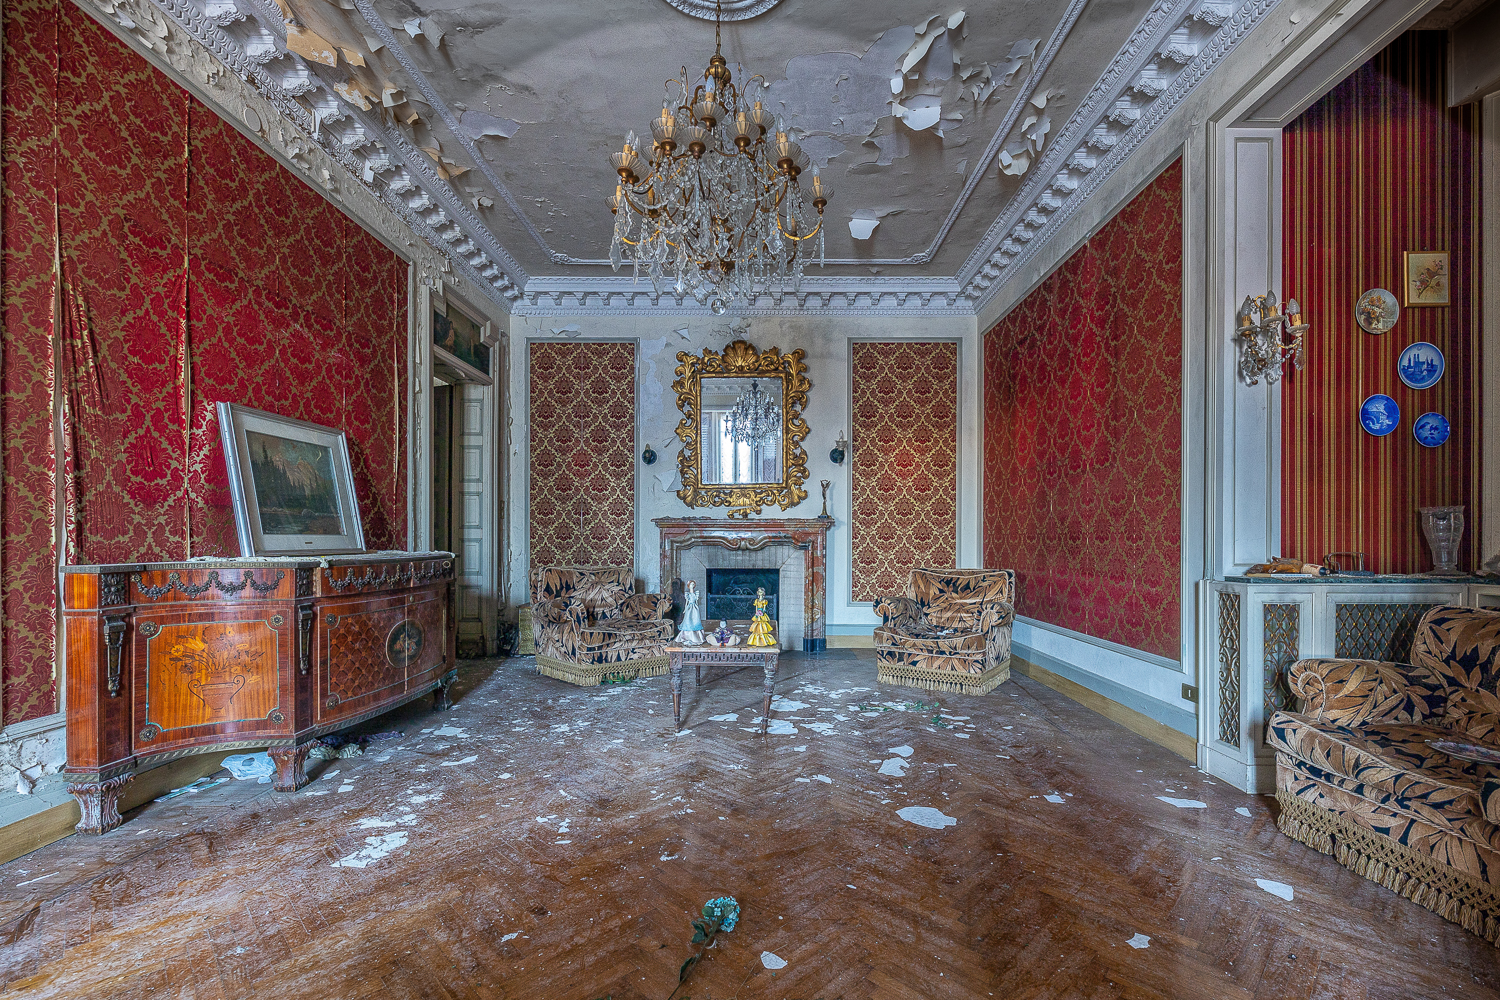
(1415, 271)
(305, 464)
(462, 341)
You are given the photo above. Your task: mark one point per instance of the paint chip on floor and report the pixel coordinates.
(926, 816)
(1139, 941)
(510, 937)
(895, 766)
(1054, 798)
(726, 717)
(901, 751)
(467, 760)
(375, 848)
(1183, 803)
(1276, 888)
(825, 779)
(772, 961)
(1242, 810)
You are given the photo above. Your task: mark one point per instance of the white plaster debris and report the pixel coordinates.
(801, 749)
(1140, 941)
(926, 816)
(807, 781)
(772, 961)
(726, 717)
(451, 731)
(825, 779)
(1183, 803)
(375, 848)
(895, 767)
(1276, 888)
(1058, 799)
(821, 728)
(510, 937)
(346, 788)
(962, 736)
(37, 879)
(778, 727)
(780, 704)
(862, 229)
(330, 775)
(901, 751)
(1242, 810)
(467, 760)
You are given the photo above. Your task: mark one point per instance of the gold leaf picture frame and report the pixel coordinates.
(1427, 278)
(741, 358)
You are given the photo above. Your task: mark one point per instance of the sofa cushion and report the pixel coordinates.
(928, 638)
(1395, 759)
(952, 611)
(602, 598)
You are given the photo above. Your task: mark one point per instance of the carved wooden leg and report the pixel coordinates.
(98, 803)
(675, 664)
(765, 712)
(290, 773)
(440, 702)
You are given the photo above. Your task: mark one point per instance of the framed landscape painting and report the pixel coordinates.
(1426, 278)
(292, 486)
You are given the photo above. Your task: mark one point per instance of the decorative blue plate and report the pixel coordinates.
(1421, 365)
(1431, 429)
(1379, 414)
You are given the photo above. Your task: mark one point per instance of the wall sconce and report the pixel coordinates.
(648, 456)
(840, 448)
(1262, 349)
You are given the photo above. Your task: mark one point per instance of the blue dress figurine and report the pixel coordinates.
(691, 633)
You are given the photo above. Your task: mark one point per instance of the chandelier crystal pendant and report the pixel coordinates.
(755, 419)
(717, 211)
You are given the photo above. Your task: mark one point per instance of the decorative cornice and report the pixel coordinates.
(333, 138)
(1106, 128)
(852, 295)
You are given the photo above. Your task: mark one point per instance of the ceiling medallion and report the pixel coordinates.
(717, 212)
(734, 10)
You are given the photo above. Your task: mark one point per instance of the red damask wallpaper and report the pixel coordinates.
(196, 269)
(1378, 167)
(1083, 433)
(904, 464)
(582, 454)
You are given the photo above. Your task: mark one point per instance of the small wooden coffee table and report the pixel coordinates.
(764, 657)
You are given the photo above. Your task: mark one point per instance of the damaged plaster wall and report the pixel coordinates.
(826, 342)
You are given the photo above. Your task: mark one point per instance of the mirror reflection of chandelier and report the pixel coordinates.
(717, 211)
(755, 418)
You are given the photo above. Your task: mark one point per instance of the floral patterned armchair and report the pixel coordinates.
(589, 623)
(951, 632)
(1358, 778)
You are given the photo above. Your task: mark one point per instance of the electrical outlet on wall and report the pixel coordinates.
(1189, 693)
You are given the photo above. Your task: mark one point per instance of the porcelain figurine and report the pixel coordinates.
(723, 637)
(760, 625)
(691, 633)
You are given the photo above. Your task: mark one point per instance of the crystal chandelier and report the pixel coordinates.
(1262, 350)
(756, 417)
(717, 212)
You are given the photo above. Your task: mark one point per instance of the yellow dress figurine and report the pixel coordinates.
(760, 625)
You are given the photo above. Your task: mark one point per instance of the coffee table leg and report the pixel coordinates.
(765, 711)
(675, 664)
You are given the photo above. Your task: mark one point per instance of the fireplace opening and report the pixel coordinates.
(731, 593)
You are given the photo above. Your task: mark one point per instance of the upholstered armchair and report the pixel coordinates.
(1357, 775)
(951, 632)
(588, 623)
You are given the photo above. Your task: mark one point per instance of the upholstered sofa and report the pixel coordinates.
(951, 632)
(588, 623)
(1358, 778)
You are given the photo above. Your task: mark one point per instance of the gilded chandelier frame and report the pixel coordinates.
(741, 358)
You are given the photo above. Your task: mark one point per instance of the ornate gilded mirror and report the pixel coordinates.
(742, 428)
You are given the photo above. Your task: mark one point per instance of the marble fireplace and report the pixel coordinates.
(796, 548)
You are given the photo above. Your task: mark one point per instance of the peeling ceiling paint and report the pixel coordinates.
(952, 131)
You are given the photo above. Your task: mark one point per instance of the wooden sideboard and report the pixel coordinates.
(170, 659)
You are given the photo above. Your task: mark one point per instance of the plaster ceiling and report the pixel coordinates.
(495, 121)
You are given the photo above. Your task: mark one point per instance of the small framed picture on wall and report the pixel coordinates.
(1426, 278)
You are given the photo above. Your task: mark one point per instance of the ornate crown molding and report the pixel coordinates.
(1145, 83)
(851, 295)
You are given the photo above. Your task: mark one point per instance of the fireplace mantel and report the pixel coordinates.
(807, 534)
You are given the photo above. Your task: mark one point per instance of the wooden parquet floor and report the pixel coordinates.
(544, 841)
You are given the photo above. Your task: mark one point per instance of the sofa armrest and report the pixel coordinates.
(898, 611)
(1353, 692)
(996, 614)
(645, 607)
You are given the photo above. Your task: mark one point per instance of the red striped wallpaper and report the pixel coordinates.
(905, 463)
(1378, 167)
(1083, 433)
